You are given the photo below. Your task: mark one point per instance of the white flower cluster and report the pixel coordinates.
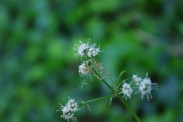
(84, 69)
(145, 86)
(69, 109)
(136, 79)
(86, 50)
(126, 90)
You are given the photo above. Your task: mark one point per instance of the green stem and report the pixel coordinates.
(103, 80)
(109, 76)
(93, 100)
(113, 90)
(129, 108)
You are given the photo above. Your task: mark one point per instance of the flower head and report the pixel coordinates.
(136, 79)
(84, 69)
(126, 90)
(84, 49)
(146, 86)
(72, 105)
(93, 51)
(67, 114)
(69, 109)
(81, 49)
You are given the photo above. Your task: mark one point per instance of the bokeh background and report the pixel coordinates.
(38, 67)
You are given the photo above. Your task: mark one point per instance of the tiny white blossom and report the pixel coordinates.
(81, 49)
(65, 109)
(145, 87)
(126, 90)
(84, 49)
(84, 69)
(72, 105)
(69, 109)
(67, 114)
(137, 79)
(93, 51)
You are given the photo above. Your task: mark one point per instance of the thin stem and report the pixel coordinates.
(103, 80)
(97, 99)
(113, 90)
(109, 76)
(129, 108)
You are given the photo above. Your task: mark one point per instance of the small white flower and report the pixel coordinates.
(137, 79)
(93, 51)
(84, 69)
(69, 109)
(68, 115)
(65, 109)
(72, 105)
(126, 90)
(81, 49)
(146, 86)
(84, 49)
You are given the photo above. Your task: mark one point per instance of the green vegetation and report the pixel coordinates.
(38, 67)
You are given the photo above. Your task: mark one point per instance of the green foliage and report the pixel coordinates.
(38, 67)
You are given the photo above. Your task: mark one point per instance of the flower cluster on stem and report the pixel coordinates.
(126, 90)
(84, 49)
(145, 86)
(69, 109)
(90, 66)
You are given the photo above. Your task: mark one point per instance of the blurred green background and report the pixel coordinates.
(38, 67)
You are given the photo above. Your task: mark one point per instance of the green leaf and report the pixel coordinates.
(120, 75)
(110, 101)
(122, 82)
